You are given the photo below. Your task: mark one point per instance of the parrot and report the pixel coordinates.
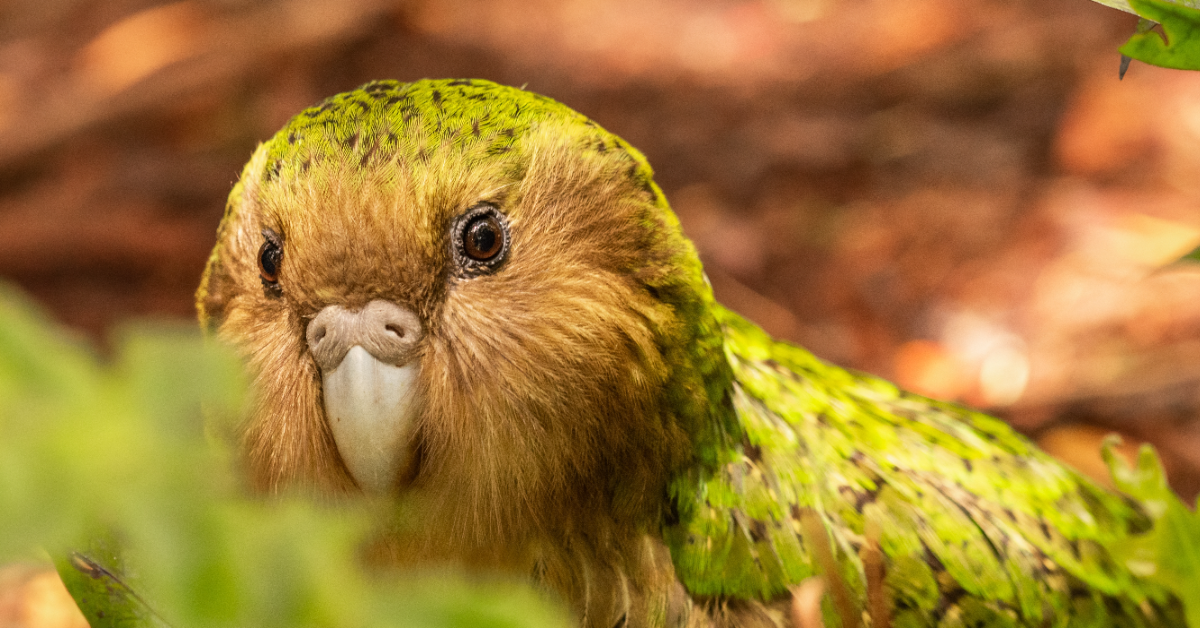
(473, 300)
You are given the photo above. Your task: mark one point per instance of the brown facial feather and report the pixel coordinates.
(542, 380)
(287, 442)
(561, 391)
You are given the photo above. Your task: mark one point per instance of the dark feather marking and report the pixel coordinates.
(639, 176)
(1074, 545)
(932, 560)
(369, 153)
(538, 573)
(671, 513)
(946, 601)
(862, 498)
(726, 399)
(758, 531)
(753, 452)
(1077, 589)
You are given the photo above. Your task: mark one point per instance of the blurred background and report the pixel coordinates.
(958, 195)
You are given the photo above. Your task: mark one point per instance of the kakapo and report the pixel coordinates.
(475, 297)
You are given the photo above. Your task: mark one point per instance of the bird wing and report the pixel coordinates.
(976, 525)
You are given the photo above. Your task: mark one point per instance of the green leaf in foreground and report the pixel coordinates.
(108, 466)
(1193, 256)
(1170, 555)
(1180, 50)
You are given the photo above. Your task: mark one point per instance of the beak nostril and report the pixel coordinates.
(387, 331)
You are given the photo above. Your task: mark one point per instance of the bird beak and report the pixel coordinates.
(369, 380)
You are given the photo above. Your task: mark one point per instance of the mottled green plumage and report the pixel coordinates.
(385, 120)
(978, 526)
(975, 525)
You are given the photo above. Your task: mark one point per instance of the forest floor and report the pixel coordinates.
(958, 195)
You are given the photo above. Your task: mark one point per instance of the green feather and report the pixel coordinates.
(976, 524)
(410, 123)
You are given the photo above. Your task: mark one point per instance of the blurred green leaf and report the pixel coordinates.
(1180, 50)
(107, 466)
(1170, 553)
(107, 595)
(1125, 5)
(1192, 256)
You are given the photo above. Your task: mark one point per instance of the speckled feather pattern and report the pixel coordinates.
(594, 418)
(977, 526)
(386, 120)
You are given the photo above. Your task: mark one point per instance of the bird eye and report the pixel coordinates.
(480, 238)
(270, 254)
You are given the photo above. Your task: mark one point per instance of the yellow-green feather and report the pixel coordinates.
(389, 120)
(976, 525)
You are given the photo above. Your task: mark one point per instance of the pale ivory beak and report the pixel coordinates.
(369, 383)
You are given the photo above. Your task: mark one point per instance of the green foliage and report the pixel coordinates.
(1180, 49)
(107, 465)
(1192, 256)
(1170, 555)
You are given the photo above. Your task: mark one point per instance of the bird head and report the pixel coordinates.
(469, 293)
